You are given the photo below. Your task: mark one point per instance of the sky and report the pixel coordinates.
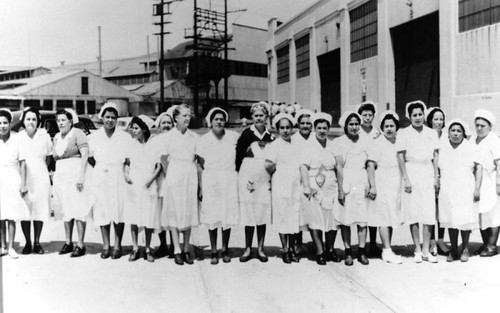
(47, 32)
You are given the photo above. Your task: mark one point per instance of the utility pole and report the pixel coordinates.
(195, 61)
(226, 72)
(99, 58)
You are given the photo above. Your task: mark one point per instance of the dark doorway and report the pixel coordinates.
(416, 62)
(329, 74)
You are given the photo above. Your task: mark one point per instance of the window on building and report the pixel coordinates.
(473, 14)
(283, 55)
(80, 107)
(247, 69)
(85, 85)
(91, 107)
(364, 31)
(302, 56)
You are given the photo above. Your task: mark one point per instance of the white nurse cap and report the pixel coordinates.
(485, 114)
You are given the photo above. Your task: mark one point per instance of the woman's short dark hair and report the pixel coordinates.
(461, 126)
(6, 115)
(431, 116)
(483, 119)
(389, 117)
(215, 112)
(366, 107)
(142, 126)
(36, 112)
(110, 109)
(64, 112)
(349, 118)
(320, 120)
(415, 105)
(299, 118)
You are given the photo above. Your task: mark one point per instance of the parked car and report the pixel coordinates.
(49, 123)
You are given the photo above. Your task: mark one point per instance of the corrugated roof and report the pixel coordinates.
(21, 86)
(148, 89)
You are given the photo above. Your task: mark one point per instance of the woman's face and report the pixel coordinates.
(30, 122)
(166, 123)
(483, 128)
(353, 126)
(259, 118)
(305, 125)
(285, 129)
(183, 118)
(4, 126)
(456, 134)
(109, 120)
(367, 117)
(64, 123)
(137, 132)
(218, 122)
(321, 130)
(389, 129)
(417, 117)
(438, 121)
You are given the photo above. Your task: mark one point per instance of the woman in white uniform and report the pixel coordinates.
(384, 209)
(108, 148)
(181, 189)
(141, 204)
(216, 152)
(353, 149)
(488, 145)
(283, 164)
(461, 175)
(418, 157)
(37, 148)
(12, 184)
(319, 171)
(435, 118)
(71, 188)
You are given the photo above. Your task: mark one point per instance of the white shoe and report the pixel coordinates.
(13, 254)
(429, 258)
(390, 257)
(3, 251)
(418, 257)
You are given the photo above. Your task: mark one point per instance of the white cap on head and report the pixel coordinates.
(280, 116)
(343, 118)
(458, 121)
(147, 120)
(414, 102)
(367, 104)
(107, 105)
(485, 114)
(8, 112)
(208, 118)
(322, 116)
(158, 119)
(386, 113)
(301, 112)
(74, 116)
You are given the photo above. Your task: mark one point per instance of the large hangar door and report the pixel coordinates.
(416, 60)
(329, 74)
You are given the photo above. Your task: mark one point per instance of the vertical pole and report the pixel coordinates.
(100, 56)
(162, 79)
(226, 71)
(195, 61)
(147, 48)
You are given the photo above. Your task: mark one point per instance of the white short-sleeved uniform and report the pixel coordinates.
(285, 185)
(385, 210)
(141, 203)
(456, 206)
(355, 185)
(180, 188)
(254, 189)
(36, 150)
(108, 185)
(323, 182)
(301, 143)
(489, 205)
(12, 205)
(220, 207)
(373, 134)
(419, 206)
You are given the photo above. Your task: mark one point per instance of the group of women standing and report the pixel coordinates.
(375, 179)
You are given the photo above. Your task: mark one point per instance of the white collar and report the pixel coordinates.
(257, 133)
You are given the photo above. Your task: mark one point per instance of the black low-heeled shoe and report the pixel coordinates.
(245, 258)
(214, 258)
(178, 259)
(105, 254)
(116, 254)
(293, 256)
(320, 259)
(27, 249)
(78, 252)
(37, 248)
(332, 256)
(363, 259)
(348, 257)
(66, 249)
(285, 256)
(226, 257)
(148, 256)
(187, 258)
(263, 258)
(134, 256)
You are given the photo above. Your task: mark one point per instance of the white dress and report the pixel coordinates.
(373, 134)
(323, 180)
(301, 143)
(285, 185)
(12, 205)
(108, 185)
(419, 206)
(219, 207)
(456, 206)
(180, 188)
(36, 150)
(254, 189)
(385, 210)
(489, 205)
(141, 203)
(355, 185)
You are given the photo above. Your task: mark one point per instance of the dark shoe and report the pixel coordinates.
(481, 249)
(245, 258)
(332, 256)
(263, 258)
(116, 254)
(320, 259)
(66, 249)
(171, 254)
(214, 258)
(187, 258)
(134, 256)
(348, 260)
(464, 257)
(148, 256)
(226, 257)
(37, 249)
(27, 249)
(200, 256)
(374, 252)
(78, 252)
(293, 256)
(363, 259)
(451, 257)
(489, 252)
(161, 252)
(178, 259)
(105, 254)
(285, 256)
(441, 251)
